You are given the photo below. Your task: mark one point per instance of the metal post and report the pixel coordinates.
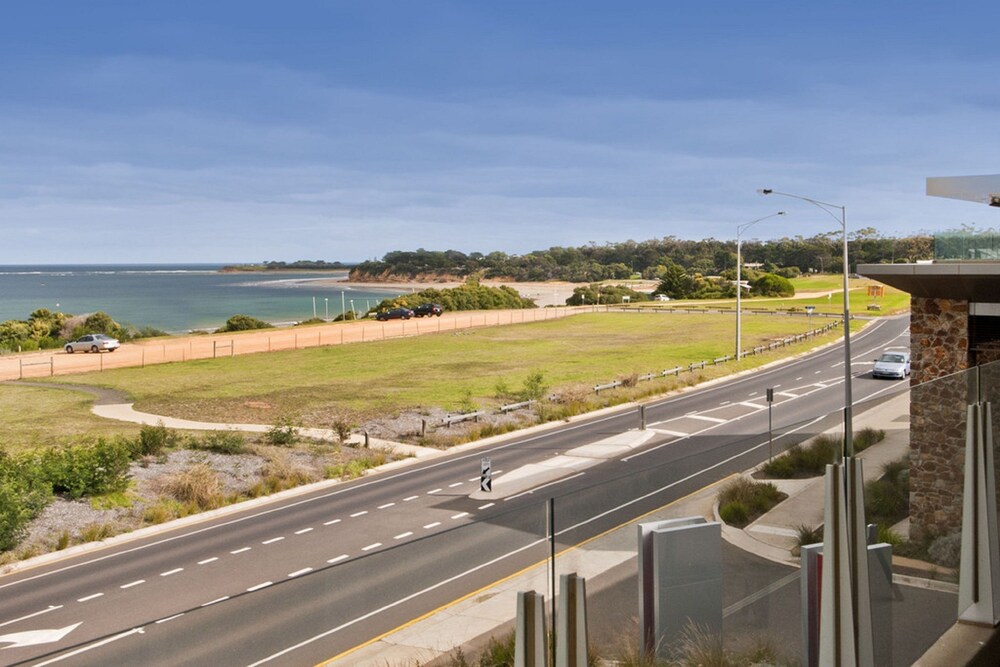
(642, 417)
(343, 306)
(552, 561)
(770, 435)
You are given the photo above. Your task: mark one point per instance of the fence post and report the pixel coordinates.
(20, 369)
(52, 366)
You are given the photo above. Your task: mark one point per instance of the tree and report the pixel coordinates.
(769, 284)
(675, 281)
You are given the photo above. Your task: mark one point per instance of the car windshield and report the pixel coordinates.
(892, 358)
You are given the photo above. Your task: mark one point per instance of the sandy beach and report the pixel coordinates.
(553, 293)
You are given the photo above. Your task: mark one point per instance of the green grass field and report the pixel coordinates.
(362, 381)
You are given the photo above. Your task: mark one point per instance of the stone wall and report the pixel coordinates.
(939, 344)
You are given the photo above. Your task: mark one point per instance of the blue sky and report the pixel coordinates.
(247, 131)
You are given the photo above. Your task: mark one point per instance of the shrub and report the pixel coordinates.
(755, 498)
(284, 432)
(782, 467)
(534, 387)
(83, 470)
(867, 437)
(947, 550)
(805, 534)
(153, 440)
(343, 429)
(809, 460)
(735, 513)
(222, 442)
(198, 484)
(243, 323)
(884, 502)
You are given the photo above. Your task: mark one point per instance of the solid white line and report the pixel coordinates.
(170, 572)
(460, 515)
(725, 402)
(239, 551)
(676, 434)
(330, 523)
(303, 531)
(90, 597)
(452, 486)
(386, 506)
(433, 525)
(403, 535)
(338, 558)
(208, 560)
(787, 393)
(753, 393)
(272, 540)
(88, 648)
(37, 613)
(762, 593)
(820, 385)
(406, 500)
(134, 583)
(357, 514)
(300, 572)
(259, 586)
(544, 486)
(371, 546)
(714, 420)
(755, 406)
(169, 618)
(222, 599)
(433, 491)
(487, 505)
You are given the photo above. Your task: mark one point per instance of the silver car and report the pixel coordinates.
(93, 343)
(892, 365)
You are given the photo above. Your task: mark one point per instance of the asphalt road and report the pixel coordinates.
(302, 580)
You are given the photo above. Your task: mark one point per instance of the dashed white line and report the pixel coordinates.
(170, 572)
(386, 506)
(432, 525)
(474, 479)
(90, 597)
(303, 531)
(216, 600)
(433, 491)
(338, 558)
(798, 378)
(208, 560)
(273, 540)
(298, 573)
(725, 402)
(406, 500)
(239, 551)
(357, 514)
(452, 486)
(330, 523)
(371, 546)
(753, 393)
(133, 583)
(487, 505)
(403, 535)
(460, 515)
(169, 618)
(259, 586)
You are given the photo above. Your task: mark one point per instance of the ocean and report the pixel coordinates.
(177, 297)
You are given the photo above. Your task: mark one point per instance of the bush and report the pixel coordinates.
(284, 432)
(153, 440)
(221, 442)
(867, 437)
(24, 493)
(243, 323)
(735, 513)
(806, 461)
(947, 550)
(86, 470)
(782, 467)
(534, 387)
(198, 484)
(884, 502)
(746, 500)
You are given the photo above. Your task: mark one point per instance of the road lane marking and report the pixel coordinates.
(90, 597)
(60, 658)
(544, 486)
(452, 486)
(259, 586)
(338, 558)
(433, 491)
(170, 572)
(273, 540)
(432, 525)
(169, 618)
(676, 434)
(725, 402)
(787, 393)
(487, 505)
(330, 523)
(371, 546)
(303, 531)
(403, 535)
(714, 420)
(755, 406)
(753, 393)
(820, 385)
(357, 514)
(300, 572)
(37, 613)
(208, 560)
(239, 551)
(386, 506)
(798, 378)
(133, 583)
(406, 500)
(216, 601)
(460, 515)
(762, 593)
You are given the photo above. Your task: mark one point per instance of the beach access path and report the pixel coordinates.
(48, 363)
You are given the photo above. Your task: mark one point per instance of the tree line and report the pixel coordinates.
(648, 259)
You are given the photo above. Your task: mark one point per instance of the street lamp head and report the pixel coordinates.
(764, 191)
(781, 213)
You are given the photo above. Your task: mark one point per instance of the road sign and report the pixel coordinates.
(770, 395)
(485, 475)
(810, 309)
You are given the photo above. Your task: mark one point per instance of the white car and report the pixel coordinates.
(93, 343)
(892, 365)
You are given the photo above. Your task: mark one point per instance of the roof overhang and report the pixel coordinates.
(982, 189)
(969, 281)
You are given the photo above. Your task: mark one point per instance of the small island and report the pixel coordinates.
(298, 265)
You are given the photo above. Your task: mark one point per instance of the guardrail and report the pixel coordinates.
(504, 409)
(464, 417)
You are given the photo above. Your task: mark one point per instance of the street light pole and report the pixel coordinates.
(848, 401)
(739, 279)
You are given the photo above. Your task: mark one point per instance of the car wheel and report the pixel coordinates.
(69, 349)
(93, 348)
(112, 349)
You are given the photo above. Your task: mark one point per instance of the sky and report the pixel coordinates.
(192, 131)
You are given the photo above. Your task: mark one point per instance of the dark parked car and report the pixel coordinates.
(394, 314)
(428, 309)
(93, 343)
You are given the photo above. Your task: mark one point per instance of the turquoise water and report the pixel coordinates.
(177, 297)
